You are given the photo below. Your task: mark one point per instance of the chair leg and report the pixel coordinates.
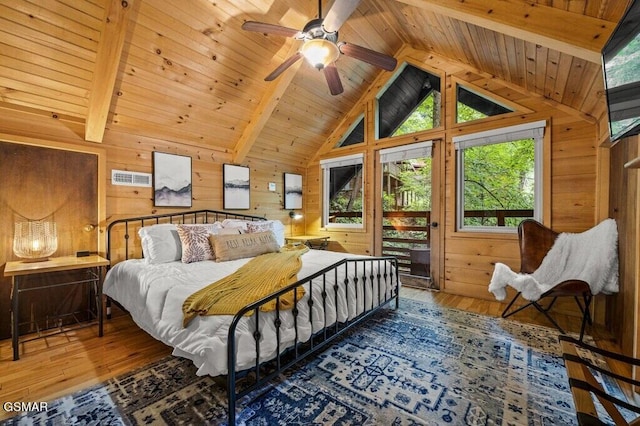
(506, 315)
(586, 315)
(553, 302)
(585, 311)
(549, 317)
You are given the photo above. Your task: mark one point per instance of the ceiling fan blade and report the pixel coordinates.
(283, 66)
(333, 79)
(372, 57)
(339, 12)
(261, 27)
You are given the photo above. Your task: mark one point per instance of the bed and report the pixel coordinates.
(333, 292)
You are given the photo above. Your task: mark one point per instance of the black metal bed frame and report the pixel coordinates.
(369, 272)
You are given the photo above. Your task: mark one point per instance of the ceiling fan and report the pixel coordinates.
(320, 45)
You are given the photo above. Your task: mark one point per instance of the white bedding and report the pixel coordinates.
(154, 293)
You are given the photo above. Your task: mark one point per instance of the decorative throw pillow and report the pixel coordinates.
(195, 243)
(259, 226)
(268, 225)
(232, 247)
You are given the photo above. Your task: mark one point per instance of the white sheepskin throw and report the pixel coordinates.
(590, 256)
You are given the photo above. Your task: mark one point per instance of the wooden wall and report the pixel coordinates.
(622, 309)
(124, 151)
(39, 182)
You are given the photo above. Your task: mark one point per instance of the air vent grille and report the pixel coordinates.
(121, 177)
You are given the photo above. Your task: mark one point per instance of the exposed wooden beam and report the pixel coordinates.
(106, 67)
(572, 33)
(267, 105)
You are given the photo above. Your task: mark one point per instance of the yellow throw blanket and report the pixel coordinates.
(258, 278)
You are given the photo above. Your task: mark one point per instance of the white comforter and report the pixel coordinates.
(153, 295)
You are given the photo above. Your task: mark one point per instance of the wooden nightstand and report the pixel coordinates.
(317, 242)
(95, 268)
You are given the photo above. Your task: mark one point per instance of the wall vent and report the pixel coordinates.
(121, 177)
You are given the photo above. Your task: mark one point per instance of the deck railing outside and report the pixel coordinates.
(407, 234)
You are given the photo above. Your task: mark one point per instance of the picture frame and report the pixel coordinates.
(292, 191)
(171, 180)
(236, 187)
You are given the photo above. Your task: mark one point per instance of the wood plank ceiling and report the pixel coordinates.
(188, 73)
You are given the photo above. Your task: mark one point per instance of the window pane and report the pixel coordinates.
(345, 194)
(422, 118)
(411, 102)
(355, 136)
(499, 183)
(406, 204)
(471, 106)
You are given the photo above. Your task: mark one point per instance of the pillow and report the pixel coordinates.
(232, 247)
(229, 231)
(212, 228)
(268, 225)
(195, 243)
(235, 223)
(160, 243)
(259, 226)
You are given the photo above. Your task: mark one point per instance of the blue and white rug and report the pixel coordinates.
(419, 365)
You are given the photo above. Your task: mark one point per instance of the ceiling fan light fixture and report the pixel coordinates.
(320, 52)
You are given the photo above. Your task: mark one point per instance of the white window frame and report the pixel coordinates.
(534, 130)
(406, 152)
(326, 166)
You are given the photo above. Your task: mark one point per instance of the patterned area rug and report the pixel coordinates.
(422, 364)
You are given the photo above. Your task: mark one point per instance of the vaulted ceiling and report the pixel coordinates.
(185, 71)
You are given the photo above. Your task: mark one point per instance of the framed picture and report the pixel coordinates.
(171, 180)
(292, 191)
(237, 187)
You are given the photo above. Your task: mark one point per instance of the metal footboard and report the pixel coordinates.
(368, 285)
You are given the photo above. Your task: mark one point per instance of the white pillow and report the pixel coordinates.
(161, 243)
(278, 230)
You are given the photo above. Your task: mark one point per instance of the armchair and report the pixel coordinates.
(535, 241)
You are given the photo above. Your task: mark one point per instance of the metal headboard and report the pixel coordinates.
(190, 216)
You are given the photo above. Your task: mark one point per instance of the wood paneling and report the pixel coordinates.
(193, 76)
(622, 308)
(38, 183)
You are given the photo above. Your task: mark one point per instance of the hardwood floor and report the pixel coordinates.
(62, 364)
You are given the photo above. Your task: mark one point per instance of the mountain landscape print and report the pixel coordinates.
(171, 180)
(292, 191)
(236, 187)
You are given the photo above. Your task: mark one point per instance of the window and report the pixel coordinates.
(499, 177)
(410, 103)
(472, 106)
(355, 135)
(343, 195)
